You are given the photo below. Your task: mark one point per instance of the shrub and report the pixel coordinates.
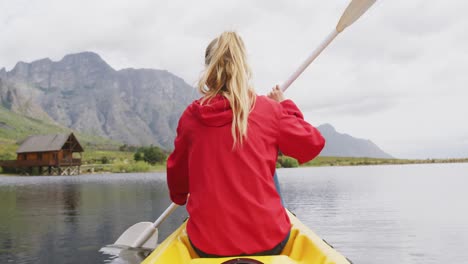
(105, 160)
(7, 156)
(154, 155)
(139, 166)
(126, 147)
(123, 147)
(151, 154)
(138, 156)
(288, 162)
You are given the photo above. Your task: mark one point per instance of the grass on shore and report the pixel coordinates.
(103, 155)
(95, 160)
(111, 160)
(352, 161)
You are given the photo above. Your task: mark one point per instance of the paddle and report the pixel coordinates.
(144, 234)
(352, 13)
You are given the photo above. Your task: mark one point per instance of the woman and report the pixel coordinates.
(225, 157)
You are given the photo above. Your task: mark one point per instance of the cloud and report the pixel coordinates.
(403, 64)
(345, 106)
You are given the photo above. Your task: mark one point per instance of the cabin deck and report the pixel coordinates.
(39, 163)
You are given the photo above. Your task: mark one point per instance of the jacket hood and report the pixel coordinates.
(215, 113)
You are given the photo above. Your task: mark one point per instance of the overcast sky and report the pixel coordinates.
(398, 77)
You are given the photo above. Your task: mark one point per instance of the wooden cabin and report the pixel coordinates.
(50, 154)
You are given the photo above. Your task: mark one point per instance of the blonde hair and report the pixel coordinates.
(227, 73)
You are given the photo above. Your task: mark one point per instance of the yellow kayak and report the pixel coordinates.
(303, 247)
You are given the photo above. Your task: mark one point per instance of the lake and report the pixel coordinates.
(371, 214)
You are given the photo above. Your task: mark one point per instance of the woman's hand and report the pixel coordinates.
(276, 94)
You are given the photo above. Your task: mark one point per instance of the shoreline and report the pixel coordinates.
(118, 168)
(351, 161)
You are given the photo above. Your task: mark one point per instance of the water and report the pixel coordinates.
(371, 214)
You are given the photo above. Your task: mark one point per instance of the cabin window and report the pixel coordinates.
(39, 156)
(54, 156)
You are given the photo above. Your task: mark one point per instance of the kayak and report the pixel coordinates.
(303, 247)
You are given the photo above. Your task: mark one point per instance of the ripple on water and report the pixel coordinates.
(371, 214)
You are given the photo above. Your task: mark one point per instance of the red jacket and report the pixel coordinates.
(234, 207)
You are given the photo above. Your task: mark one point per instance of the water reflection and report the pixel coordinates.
(385, 214)
(66, 220)
(376, 214)
(71, 196)
(120, 255)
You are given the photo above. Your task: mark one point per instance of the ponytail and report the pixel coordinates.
(227, 73)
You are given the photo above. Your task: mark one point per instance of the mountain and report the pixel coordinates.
(84, 93)
(344, 145)
(14, 128)
(134, 106)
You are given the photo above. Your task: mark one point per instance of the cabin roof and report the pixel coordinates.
(44, 143)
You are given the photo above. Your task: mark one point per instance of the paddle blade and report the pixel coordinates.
(125, 254)
(133, 234)
(354, 11)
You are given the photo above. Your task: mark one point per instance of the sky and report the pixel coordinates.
(398, 76)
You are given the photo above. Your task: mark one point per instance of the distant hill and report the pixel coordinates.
(344, 145)
(82, 92)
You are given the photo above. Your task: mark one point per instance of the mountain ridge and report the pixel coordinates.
(82, 92)
(345, 145)
(136, 106)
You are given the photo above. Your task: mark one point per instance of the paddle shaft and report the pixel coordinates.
(309, 60)
(165, 214)
(352, 13)
(151, 229)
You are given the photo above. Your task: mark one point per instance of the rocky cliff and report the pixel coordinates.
(82, 92)
(133, 106)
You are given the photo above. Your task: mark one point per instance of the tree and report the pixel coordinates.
(128, 148)
(105, 160)
(124, 147)
(151, 155)
(138, 156)
(288, 162)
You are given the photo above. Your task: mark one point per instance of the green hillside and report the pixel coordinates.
(101, 155)
(14, 128)
(104, 155)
